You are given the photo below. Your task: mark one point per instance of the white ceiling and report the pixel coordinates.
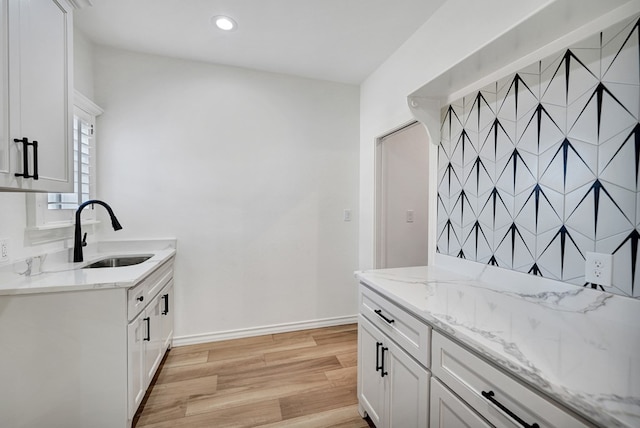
(336, 40)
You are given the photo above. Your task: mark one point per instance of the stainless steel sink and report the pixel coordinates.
(118, 261)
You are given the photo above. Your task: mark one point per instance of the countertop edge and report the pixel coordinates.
(70, 279)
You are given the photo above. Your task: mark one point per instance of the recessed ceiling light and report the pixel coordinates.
(224, 23)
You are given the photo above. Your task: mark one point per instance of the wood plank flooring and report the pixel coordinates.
(304, 379)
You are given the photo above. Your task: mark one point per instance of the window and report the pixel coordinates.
(50, 217)
(83, 167)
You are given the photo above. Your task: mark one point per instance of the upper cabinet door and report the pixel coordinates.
(40, 87)
(4, 92)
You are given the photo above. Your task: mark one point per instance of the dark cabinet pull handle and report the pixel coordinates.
(140, 299)
(379, 312)
(25, 158)
(166, 304)
(35, 160)
(378, 366)
(148, 320)
(489, 396)
(382, 370)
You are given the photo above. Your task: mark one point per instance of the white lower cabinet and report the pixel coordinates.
(149, 337)
(449, 411)
(78, 359)
(410, 375)
(393, 387)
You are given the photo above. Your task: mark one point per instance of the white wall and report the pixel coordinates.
(82, 64)
(250, 171)
(13, 220)
(13, 224)
(441, 42)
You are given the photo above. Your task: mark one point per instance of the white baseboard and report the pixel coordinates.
(260, 331)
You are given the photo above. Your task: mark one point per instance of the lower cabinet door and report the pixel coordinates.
(166, 316)
(148, 335)
(370, 381)
(153, 339)
(136, 331)
(407, 389)
(393, 389)
(449, 411)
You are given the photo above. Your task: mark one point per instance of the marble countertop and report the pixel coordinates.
(577, 345)
(53, 273)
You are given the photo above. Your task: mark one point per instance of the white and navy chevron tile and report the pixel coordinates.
(543, 166)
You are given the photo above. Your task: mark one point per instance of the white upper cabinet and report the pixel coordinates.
(4, 94)
(36, 75)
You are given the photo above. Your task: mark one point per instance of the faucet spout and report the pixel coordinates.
(78, 242)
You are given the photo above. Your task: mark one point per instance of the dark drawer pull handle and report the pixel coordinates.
(25, 158)
(378, 366)
(379, 312)
(148, 320)
(383, 372)
(140, 299)
(166, 304)
(489, 396)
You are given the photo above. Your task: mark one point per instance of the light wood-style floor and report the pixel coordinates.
(299, 379)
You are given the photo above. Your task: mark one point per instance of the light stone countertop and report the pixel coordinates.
(56, 274)
(577, 345)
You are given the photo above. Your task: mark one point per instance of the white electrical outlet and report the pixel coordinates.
(599, 269)
(346, 215)
(4, 250)
(409, 216)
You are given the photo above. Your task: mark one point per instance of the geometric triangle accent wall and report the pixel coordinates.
(540, 167)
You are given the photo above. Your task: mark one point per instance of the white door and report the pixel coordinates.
(402, 198)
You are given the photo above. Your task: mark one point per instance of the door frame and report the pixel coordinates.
(379, 215)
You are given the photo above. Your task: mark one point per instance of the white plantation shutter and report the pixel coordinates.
(82, 136)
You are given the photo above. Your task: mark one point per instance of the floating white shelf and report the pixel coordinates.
(550, 29)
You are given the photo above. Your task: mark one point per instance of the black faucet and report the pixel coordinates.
(79, 242)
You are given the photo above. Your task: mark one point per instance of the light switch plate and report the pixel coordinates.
(409, 216)
(599, 269)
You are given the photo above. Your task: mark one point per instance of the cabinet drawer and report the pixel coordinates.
(406, 330)
(469, 376)
(138, 297)
(158, 279)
